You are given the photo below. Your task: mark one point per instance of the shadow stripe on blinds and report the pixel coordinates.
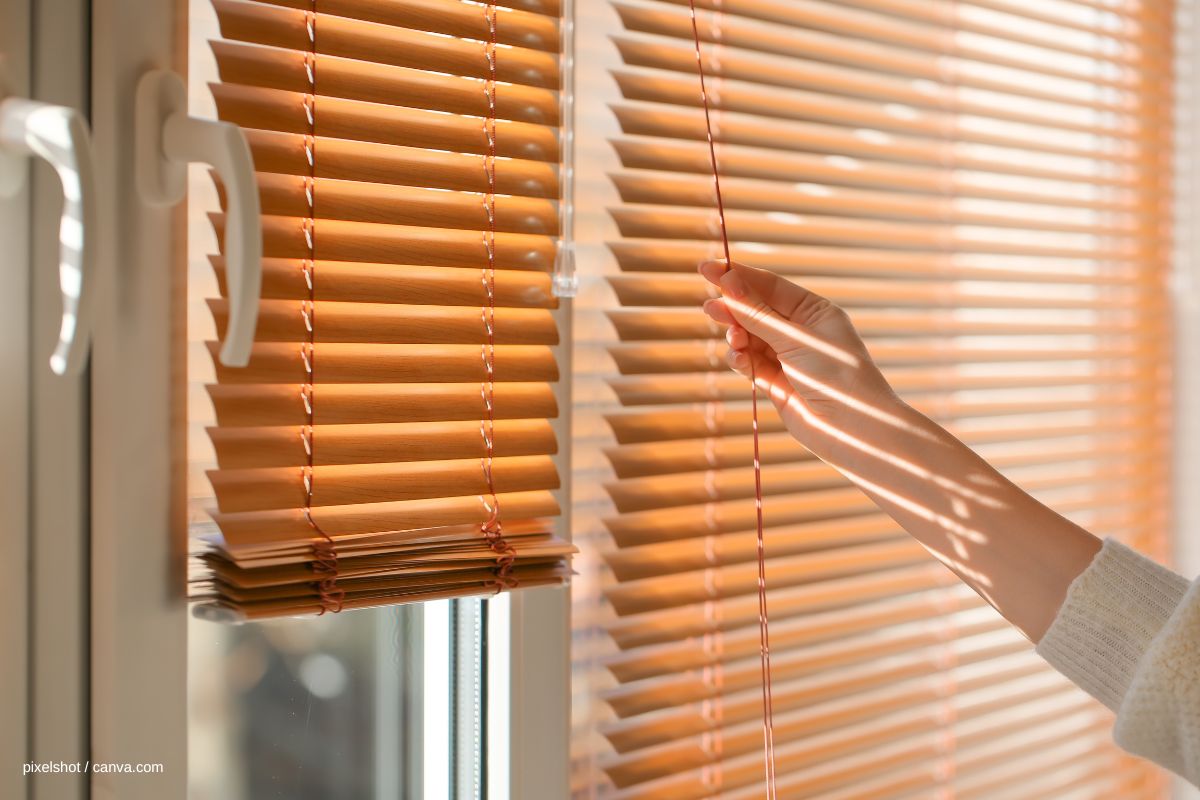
(371, 129)
(982, 186)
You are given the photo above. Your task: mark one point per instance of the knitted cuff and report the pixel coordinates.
(1111, 613)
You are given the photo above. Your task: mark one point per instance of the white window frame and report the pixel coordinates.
(43, 435)
(139, 614)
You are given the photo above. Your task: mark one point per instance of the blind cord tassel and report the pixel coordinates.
(763, 625)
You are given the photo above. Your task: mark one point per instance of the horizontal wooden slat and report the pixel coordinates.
(412, 166)
(387, 323)
(254, 405)
(859, 262)
(658, 222)
(240, 490)
(689, 155)
(673, 425)
(385, 44)
(677, 285)
(335, 118)
(388, 363)
(847, 727)
(723, 614)
(712, 485)
(662, 525)
(662, 357)
(710, 582)
(637, 325)
(898, 96)
(756, 195)
(355, 201)
(683, 657)
(721, 452)
(1124, 24)
(771, 108)
(707, 552)
(786, 136)
(647, 696)
(923, 25)
(337, 240)
(678, 732)
(352, 79)
(342, 523)
(514, 26)
(844, 778)
(350, 281)
(283, 446)
(945, 63)
(640, 390)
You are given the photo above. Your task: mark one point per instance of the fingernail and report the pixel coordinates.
(733, 286)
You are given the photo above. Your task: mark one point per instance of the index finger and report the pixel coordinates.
(790, 301)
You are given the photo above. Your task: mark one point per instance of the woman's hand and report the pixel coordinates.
(803, 352)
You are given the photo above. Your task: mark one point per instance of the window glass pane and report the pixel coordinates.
(304, 708)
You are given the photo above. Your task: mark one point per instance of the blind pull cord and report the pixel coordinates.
(763, 632)
(492, 528)
(325, 557)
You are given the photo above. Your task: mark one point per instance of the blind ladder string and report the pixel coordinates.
(492, 527)
(325, 558)
(763, 624)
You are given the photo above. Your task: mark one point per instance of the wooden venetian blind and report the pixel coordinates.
(391, 439)
(984, 186)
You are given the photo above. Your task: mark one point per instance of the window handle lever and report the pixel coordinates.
(167, 140)
(59, 135)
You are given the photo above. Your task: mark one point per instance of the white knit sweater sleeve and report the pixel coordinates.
(1128, 633)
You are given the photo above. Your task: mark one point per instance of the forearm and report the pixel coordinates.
(1018, 554)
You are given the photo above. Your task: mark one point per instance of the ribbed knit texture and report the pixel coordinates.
(1128, 633)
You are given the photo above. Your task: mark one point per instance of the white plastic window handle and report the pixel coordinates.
(59, 135)
(167, 140)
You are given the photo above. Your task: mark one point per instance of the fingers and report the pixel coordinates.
(792, 319)
(760, 365)
(792, 302)
(737, 338)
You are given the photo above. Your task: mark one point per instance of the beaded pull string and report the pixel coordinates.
(763, 633)
(325, 559)
(492, 529)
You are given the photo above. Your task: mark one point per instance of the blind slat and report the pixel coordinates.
(951, 59)
(286, 196)
(865, 119)
(337, 240)
(266, 109)
(371, 323)
(250, 405)
(242, 448)
(514, 26)
(772, 70)
(335, 362)
(377, 163)
(259, 23)
(240, 490)
(351, 79)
